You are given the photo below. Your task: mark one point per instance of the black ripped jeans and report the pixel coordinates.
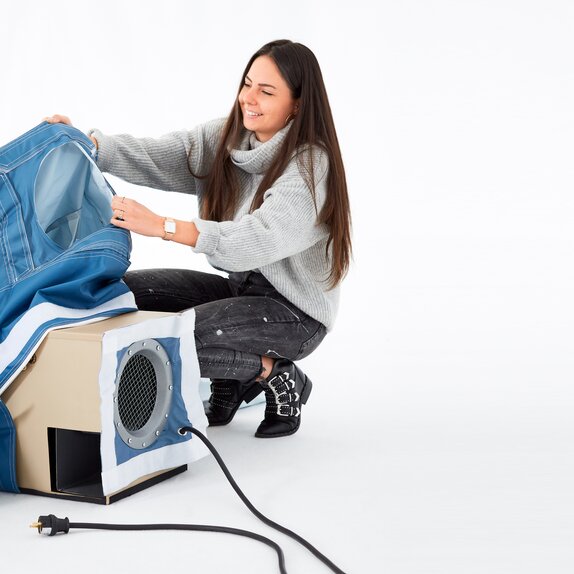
(238, 319)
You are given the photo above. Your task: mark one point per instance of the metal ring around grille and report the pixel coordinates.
(142, 399)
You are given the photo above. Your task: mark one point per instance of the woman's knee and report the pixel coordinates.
(312, 342)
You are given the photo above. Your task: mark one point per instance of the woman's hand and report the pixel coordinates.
(58, 119)
(133, 216)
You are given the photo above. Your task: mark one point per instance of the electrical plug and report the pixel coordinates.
(51, 525)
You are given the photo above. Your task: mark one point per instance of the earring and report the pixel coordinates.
(292, 115)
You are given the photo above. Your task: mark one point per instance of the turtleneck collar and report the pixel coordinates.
(254, 156)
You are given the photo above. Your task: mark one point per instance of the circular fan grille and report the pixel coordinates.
(137, 392)
(143, 393)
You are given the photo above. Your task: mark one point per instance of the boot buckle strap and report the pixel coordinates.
(288, 411)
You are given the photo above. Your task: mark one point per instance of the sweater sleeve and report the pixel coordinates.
(165, 163)
(285, 224)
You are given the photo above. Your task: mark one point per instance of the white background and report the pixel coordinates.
(439, 436)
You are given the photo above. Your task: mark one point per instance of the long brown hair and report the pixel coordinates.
(312, 126)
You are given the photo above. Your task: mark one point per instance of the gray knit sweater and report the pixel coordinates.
(281, 239)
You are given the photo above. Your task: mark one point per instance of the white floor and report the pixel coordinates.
(410, 459)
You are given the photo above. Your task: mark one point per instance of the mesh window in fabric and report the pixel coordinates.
(71, 195)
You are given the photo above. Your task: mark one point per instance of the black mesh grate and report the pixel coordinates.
(137, 392)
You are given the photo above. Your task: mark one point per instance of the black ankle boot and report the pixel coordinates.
(286, 389)
(226, 396)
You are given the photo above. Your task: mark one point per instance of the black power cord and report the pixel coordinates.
(52, 525)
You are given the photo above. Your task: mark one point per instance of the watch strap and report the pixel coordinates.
(168, 228)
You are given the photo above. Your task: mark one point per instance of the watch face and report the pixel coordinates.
(169, 226)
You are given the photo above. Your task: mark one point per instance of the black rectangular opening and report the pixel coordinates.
(75, 463)
(76, 469)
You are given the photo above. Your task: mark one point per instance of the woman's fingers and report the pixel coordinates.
(119, 222)
(131, 215)
(119, 211)
(58, 119)
(119, 214)
(121, 202)
(119, 208)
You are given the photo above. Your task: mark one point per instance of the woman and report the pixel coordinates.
(274, 214)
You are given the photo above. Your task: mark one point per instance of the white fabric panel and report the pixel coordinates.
(44, 312)
(114, 476)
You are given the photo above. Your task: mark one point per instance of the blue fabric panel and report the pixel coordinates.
(56, 243)
(177, 414)
(22, 162)
(61, 261)
(7, 451)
